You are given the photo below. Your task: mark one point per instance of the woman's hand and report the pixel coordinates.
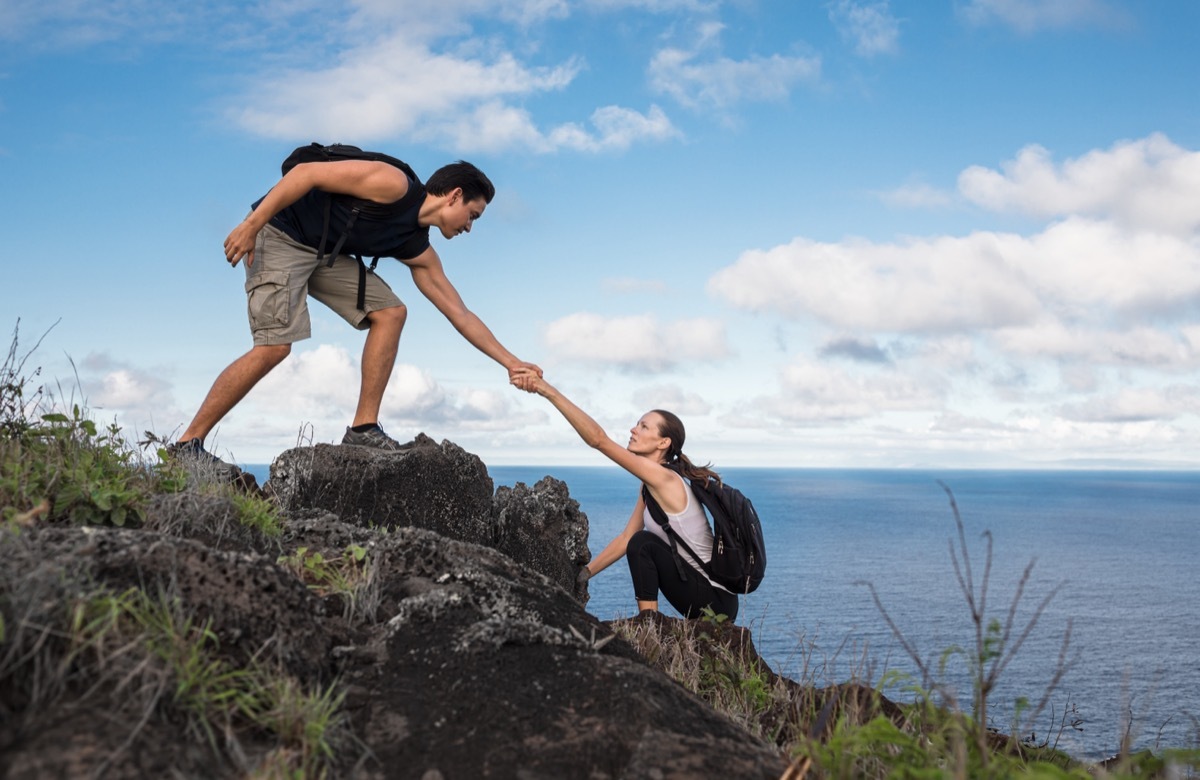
(528, 380)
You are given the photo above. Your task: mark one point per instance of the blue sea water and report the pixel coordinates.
(1115, 553)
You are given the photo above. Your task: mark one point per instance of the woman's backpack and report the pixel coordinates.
(739, 557)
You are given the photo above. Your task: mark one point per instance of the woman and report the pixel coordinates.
(655, 456)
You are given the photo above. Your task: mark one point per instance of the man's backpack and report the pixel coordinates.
(316, 152)
(739, 557)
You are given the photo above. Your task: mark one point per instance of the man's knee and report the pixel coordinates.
(392, 315)
(272, 354)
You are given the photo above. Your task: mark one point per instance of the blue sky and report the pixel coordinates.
(941, 233)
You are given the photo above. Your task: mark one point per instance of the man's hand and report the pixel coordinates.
(524, 376)
(240, 243)
(526, 379)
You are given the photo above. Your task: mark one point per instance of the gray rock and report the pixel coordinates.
(441, 488)
(543, 529)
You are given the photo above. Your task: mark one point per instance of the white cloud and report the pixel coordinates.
(1161, 348)
(673, 398)
(977, 340)
(1148, 184)
(311, 382)
(1135, 404)
(321, 385)
(636, 342)
(816, 393)
(1065, 290)
(74, 23)
(1028, 16)
(115, 386)
(869, 26)
(916, 196)
(653, 6)
(395, 86)
(919, 285)
(628, 285)
(616, 128)
(697, 78)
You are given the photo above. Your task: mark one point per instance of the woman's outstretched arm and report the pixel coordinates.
(655, 476)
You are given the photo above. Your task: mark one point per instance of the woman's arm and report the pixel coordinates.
(615, 550)
(663, 483)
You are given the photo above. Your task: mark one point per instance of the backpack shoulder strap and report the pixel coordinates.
(660, 517)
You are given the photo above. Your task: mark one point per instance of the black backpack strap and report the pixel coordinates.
(337, 248)
(363, 270)
(660, 517)
(362, 283)
(325, 234)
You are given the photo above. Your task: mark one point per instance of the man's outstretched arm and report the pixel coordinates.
(430, 278)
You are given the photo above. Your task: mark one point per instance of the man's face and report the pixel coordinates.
(460, 215)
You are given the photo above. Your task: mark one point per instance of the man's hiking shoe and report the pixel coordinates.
(374, 437)
(192, 455)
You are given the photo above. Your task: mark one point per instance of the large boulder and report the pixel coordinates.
(543, 528)
(441, 488)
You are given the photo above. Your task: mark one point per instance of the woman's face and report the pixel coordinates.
(644, 437)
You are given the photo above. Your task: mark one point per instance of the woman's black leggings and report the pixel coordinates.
(652, 566)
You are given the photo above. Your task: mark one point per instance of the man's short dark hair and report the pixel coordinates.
(474, 183)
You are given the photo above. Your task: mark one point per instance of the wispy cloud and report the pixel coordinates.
(636, 342)
(814, 393)
(869, 26)
(1029, 16)
(916, 196)
(701, 77)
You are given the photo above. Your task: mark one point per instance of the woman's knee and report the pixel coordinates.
(638, 543)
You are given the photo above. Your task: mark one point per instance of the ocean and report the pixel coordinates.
(1109, 556)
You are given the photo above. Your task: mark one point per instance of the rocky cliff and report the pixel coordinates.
(410, 621)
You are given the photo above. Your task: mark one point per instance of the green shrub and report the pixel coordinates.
(67, 467)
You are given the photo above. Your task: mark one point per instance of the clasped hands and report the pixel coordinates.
(527, 377)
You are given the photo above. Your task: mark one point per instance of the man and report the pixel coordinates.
(365, 207)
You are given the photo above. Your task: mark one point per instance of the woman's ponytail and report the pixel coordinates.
(672, 428)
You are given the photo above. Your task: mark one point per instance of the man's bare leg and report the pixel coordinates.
(232, 385)
(378, 360)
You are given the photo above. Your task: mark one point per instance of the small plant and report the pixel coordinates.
(710, 616)
(257, 512)
(996, 643)
(17, 402)
(348, 575)
(96, 482)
